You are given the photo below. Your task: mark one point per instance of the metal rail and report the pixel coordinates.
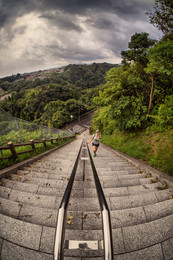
(60, 227)
(106, 220)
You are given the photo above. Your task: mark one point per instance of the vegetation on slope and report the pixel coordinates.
(135, 112)
(54, 100)
(39, 149)
(135, 103)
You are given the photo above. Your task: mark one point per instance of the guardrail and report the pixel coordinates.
(106, 220)
(14, 153)
(60, 227)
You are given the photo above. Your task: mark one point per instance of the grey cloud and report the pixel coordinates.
(15, 8)
(76, 6)
(120, 7)
(101, 23)
(68, 30)
(62, 21)
(20, 30)
(3, 19)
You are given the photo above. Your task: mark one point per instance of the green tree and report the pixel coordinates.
(125, 97)
(138, 46)
(160, 62)
(162, 16)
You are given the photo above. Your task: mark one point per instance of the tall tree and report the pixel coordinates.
(160, 62)
(138, 46)
(162, 16)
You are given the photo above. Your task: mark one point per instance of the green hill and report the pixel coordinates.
(52, 98)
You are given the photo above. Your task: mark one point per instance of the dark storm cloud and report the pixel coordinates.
(72, 54)
(119, 7)
(101, 23)
(75, 6)
(3, 18)
(10, 10)
(52, 32)
(63, 21)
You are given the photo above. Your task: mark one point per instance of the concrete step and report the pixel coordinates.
(144, 242)
(141, 215)
(50, 175)
(20, 233)
(132, 238)
(56, 167)
(107, 181)
(133, 201)
(124, 191)
(51, 182)
(37, 189)
(12, 251)
(34, 199)
(91, 220)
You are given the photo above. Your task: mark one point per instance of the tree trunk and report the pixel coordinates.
(151, 94)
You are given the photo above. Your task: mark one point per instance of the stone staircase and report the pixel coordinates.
(141, 209)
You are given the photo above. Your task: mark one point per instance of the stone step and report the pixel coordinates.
(92, 254)
(87, 183)
(124, 182)
(123, 191)
(121, 250)
(91, 220)
(129, 217)
(12, 251)
(6, 192)
(57, 167)
(21, 186)
(51, 175)
(132, 238)
(138, 200)
(37, 189)
(62, 174)
(34, 199)
(19, 232)
(114, 173)
(76, 193)
(141, 215)
(119, 170)
(51, 182)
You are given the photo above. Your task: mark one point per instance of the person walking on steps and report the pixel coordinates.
(95, 142)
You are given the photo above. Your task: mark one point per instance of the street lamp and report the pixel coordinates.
(80, 107)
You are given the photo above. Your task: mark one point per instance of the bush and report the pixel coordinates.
(165, 113)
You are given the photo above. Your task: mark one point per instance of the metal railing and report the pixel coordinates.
(60, 227)
(106, 220)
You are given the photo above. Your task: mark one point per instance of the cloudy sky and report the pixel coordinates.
(41, 34)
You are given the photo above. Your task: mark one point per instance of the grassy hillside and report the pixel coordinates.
(154, 148)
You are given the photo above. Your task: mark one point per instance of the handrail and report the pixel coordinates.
(106, 220)
(60, 227)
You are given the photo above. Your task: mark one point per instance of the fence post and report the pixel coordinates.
(44, 142)
(51, 140)
(13, 151)
(32, 144)
(41, 131)
(18, 128)
(56, 139)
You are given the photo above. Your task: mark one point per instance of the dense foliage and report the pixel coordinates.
(139, 93)
(162, 16)
(56, 99)
(135, 107)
